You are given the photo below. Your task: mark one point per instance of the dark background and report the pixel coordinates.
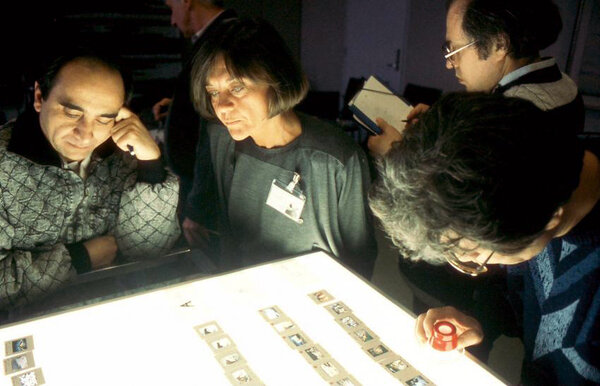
(335, 40)
(138, 31)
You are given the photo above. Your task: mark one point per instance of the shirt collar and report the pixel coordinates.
(79, 167)
(519, 72)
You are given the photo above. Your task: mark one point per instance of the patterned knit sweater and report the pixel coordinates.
(558, 293)
(47, 212)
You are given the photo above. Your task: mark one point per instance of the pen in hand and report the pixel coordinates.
(131, 150)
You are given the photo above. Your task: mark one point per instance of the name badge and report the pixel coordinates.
(287, 199)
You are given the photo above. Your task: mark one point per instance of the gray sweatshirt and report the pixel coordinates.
(334, 178)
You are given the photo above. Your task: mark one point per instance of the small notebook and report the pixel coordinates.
(375, 100)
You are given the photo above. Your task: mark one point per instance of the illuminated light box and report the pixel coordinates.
(300, 321)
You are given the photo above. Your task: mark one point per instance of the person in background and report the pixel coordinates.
(184, 129)
(494, 46)
(287, 183)
(486, 180)
(82, 181)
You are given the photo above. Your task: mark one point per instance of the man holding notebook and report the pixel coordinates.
(494, 47)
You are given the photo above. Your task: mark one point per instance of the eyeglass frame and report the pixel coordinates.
(458, 265)
(448, 54)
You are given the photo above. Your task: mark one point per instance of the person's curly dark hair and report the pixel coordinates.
(487, 168)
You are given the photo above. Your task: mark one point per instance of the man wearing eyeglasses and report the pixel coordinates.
(486, 180)
(494, 46)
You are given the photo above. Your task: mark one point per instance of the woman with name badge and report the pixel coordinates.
(287, 183)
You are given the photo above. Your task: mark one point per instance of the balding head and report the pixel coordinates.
(191, 16)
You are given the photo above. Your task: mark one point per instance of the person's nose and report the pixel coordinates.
(84, 130)
(224, 104)
(449, 64)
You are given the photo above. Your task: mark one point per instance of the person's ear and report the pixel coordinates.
(37, 97)
(555, 220)
(500, 48)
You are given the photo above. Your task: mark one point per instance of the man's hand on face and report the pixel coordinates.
(468, 329)
(159, 111)
(102, 251)
(129, 130)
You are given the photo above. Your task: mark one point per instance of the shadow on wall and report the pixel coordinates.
(322, 104)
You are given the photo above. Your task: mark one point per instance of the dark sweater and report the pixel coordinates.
(550, 90)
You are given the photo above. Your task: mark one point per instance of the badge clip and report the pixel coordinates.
(292, 185)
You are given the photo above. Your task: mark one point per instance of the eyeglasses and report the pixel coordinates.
(449, 53)
(469, 268)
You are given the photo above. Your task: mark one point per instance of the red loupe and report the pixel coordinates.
(444, 336)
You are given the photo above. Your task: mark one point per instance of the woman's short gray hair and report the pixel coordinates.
(252, 49)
